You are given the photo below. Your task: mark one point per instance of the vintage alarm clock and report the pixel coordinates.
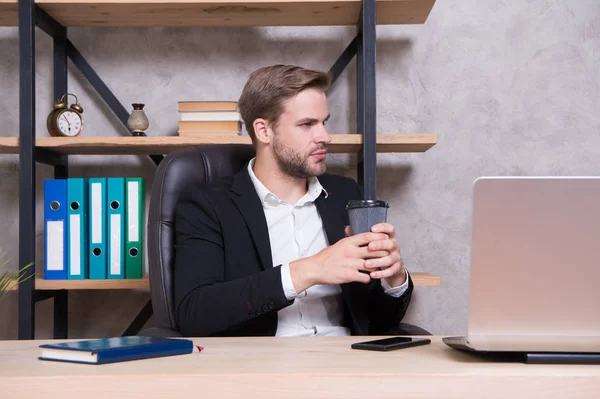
(64, 120)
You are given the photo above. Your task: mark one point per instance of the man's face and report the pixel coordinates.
(300, 139)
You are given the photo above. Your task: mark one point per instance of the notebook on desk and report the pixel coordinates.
(118, 349)
(535, 269)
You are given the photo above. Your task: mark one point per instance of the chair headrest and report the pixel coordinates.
(195, 165)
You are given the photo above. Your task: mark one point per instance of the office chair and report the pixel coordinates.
(179, 169)
(195, 165)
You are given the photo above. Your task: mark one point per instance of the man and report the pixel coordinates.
(268, 252)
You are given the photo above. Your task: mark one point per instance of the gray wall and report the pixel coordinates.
(510, 87)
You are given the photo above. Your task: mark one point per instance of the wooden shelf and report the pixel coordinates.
(425, 279)
(419, 279)
(139, 13)
(9, 11)
(122, 13)
(341, 143)
(125, 284)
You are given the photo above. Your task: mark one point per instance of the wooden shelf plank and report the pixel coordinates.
(420, 279)
(9, 13)
(425, 279)
(341, 143)
(9, 145)
(121, 13)
(125, 284)
(115, 13)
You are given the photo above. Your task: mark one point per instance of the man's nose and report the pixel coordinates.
(323, 136)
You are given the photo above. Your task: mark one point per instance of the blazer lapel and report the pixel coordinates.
(334, 226)
(246, 199)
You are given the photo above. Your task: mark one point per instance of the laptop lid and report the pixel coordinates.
(535, 257)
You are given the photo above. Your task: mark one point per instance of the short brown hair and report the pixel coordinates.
(269, 87)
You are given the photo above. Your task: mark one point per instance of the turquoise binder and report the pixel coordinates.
(115, 195)
(77, 231)
(97, 227)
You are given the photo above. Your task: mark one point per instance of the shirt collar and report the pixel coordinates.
(314, 188)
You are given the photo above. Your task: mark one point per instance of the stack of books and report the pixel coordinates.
(209, 117)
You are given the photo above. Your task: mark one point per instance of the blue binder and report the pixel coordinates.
(97, 227)
(116, 227)
(55, 229)
(77, 231)
(118, 349)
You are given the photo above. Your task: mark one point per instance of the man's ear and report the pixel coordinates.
(262, 131)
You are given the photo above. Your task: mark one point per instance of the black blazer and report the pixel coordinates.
(225, 281)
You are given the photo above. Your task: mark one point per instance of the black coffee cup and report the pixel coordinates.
(364, 214)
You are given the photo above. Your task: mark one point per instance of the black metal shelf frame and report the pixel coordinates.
(30, 16)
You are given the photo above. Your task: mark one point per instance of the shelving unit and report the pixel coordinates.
(341, 143)
(54, 16)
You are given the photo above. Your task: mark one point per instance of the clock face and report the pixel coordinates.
(69, 123)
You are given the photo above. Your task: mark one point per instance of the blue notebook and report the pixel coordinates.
(118, 349)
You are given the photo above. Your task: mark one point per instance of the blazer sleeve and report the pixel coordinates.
(205, 303)
(385, 311)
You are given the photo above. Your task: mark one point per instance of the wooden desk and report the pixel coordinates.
(285, 368)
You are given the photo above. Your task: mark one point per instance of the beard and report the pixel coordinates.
(296, 164)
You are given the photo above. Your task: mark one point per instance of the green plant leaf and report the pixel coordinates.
(9, 280)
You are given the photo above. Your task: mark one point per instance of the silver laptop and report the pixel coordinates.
(535, 266)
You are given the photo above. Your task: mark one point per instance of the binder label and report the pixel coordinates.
(96, 213)
(132, 212)
(115, 244)
(55, 244)
(75, 244)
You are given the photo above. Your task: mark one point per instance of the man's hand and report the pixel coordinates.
(390, 265)
(339, 263)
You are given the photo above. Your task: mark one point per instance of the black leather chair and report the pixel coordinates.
(179, 169)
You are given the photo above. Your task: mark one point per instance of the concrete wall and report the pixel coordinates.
(511, 88)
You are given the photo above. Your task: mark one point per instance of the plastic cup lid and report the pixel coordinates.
(353, 204)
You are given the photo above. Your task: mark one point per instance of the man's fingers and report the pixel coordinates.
(365, 238)
(358, 274)
(385, 261)
(362, 277)
(356, 264)
(348, 231)
(366, 253)
(387, 245)
(386, 228)
(390, 271)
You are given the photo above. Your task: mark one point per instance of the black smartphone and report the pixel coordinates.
(390, 344)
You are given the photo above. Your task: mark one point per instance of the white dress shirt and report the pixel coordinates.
(296, 231)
